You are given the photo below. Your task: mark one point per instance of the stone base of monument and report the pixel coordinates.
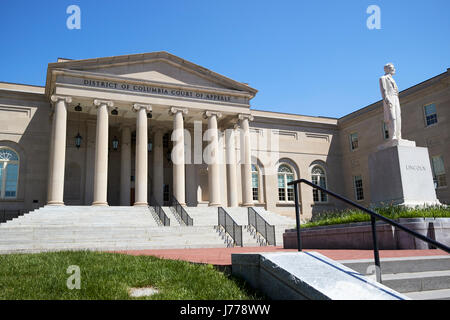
(400, 174)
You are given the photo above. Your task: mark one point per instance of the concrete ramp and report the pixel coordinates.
(307, 276)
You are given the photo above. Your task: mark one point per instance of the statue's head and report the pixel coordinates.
(389, 68)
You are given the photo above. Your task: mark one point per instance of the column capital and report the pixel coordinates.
(207, 114)
(98, 103)
(245, 116)
(138, 106)
(56, 98)
(175, 110)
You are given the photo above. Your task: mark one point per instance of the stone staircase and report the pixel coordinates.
(420, 278)
(123, 228)
(99, 228)
(209, 216)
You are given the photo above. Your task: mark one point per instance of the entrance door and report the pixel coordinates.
(131, 196)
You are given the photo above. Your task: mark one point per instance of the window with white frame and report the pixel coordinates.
(9, 173)
(430, 114)
(319, 178)
(439, 176)
(285, 175)
(353, 141)
(358, 186)
(255, 183)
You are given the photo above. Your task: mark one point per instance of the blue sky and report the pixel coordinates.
(305, 57)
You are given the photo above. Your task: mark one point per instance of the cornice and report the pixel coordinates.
(152, 57)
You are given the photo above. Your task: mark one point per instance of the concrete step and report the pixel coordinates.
(417, 281)
(421, 278)
(402, 265)
(107, 246)
(443, 294)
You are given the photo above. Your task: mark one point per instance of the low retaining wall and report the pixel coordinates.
(359, 235)
(307, 276)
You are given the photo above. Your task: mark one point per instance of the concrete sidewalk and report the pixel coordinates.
(222, 256)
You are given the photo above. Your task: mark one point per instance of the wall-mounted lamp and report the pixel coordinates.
(78, 139)
(115, 143)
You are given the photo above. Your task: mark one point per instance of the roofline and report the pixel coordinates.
(22, 84)
(160, 54)
(295, 114)
(403, 92)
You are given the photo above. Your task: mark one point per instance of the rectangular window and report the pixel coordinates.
(385, 131)
(430, 114)
(281, 194)
(439, 176)
(255, 194)
(318, 195)
(12, 173)
(353, 141)
(358, 185)
(1, 179)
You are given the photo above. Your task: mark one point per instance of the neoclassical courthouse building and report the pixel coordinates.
(103, 131)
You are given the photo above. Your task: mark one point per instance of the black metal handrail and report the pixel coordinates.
(160, 212)
(266, 230)
(230, 226)
(179, 209)
(6, 215)
(373, 216)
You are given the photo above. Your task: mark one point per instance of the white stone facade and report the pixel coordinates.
(184, 131)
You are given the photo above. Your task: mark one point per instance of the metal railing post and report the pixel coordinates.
(376, 254)
(297, 217)
(373, 215)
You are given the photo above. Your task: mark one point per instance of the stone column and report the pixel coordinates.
(89, 141)
(101, 153)
(158, 166)
(125, 166)
(231, 167)
(213, 158)
(141, 180)
(246, 156)
(178, 154)
(57, 160)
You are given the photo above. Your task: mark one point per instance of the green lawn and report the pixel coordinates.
(391, 212)
(110, 276)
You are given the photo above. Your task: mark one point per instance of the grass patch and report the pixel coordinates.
(110, 275)
(391, 212)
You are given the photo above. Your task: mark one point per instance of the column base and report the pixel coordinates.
(214, 204)
(100, 203)
(55, 203)
(247, 205)
(140, 204)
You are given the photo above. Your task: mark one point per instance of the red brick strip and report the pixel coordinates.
(222, 256)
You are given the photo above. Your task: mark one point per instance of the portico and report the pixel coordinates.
(156, 104)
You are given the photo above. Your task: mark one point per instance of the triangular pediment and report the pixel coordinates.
(159, 67)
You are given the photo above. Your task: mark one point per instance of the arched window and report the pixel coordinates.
(285, 175)
(255, 182)
(9, 173)
(319, 177)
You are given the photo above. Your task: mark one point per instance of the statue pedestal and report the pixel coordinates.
(395, 143)
(400, 174)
